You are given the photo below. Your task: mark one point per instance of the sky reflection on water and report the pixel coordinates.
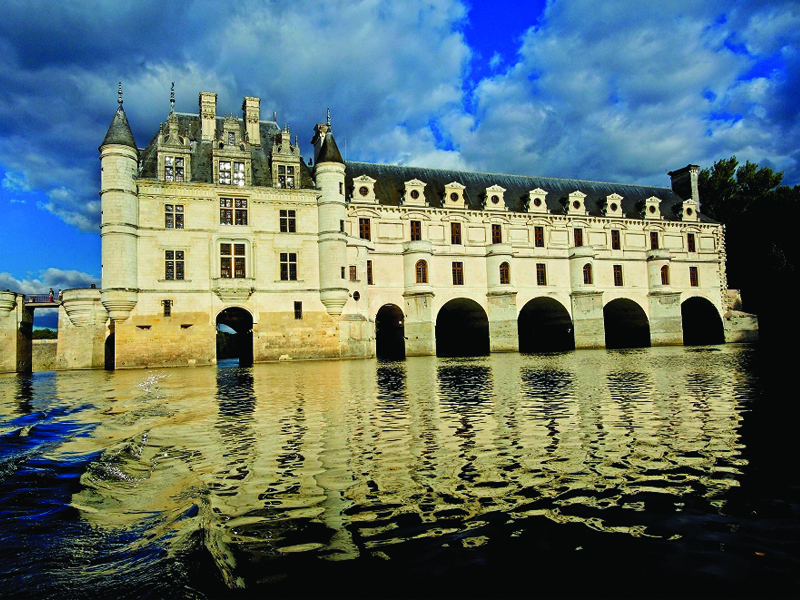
(261, 475)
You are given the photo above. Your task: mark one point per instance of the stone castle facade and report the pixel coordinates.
(220, 221)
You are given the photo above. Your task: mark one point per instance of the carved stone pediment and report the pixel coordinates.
(233, 290)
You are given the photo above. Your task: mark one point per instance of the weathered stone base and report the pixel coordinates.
(740, 327)
(43, 355)
(278, 335)
(16, 328)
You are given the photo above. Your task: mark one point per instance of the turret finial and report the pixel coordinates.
(119, 94)
(172, 98)
(329, 117)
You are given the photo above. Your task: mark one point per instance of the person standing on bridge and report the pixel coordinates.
(52, 293)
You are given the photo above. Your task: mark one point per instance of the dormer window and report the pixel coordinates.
(173, 168)
(231, 172)
(286, 177)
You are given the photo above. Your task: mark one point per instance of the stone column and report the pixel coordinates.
(16, 330)
(503, 332)
(420, 327)
(81, 330)
(666, 325)
(587, 319)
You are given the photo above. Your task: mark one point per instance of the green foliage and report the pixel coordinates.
(226, 345)
(757, 212)
(45, 334)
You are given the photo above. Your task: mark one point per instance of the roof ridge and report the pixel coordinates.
(641, 185)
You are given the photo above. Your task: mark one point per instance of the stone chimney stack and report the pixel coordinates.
(684, 182)
(208, 115)
(251, 113)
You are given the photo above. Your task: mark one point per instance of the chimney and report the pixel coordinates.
(208, 115)
(684, 182)
(251, 112)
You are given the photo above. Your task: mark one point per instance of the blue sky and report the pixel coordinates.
(614, 90)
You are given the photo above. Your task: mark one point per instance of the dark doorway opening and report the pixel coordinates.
(544, 325)
(390, 343)
(462, 329)
(110, 352)
(239, 343)
(626, 325)
(702, 324)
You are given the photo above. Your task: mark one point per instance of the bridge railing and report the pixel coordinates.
(40, 298)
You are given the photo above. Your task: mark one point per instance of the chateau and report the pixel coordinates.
(220, 221)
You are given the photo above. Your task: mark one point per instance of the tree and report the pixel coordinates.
(756, 210)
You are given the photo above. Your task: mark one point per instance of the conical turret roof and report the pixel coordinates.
(329, 152)
(119, 132)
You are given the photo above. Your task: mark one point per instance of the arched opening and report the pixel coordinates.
(462, 329)
(110, 354)
(626, 324)
(390, 333)
(421, 269)
(505, 274)
(702, 324)
(665, 275)
(235, 336)
(544, 325)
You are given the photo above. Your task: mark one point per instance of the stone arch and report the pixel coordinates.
(665, 275)
(702, 324)
(241, 321)
(626, 324)
(588, 276)
(505, 273)
(544, 325)
(390, 333)
(462, 329)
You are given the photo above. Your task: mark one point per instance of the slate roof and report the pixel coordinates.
(329, 151)
(119, 132)
(202, 168)
(391, 180)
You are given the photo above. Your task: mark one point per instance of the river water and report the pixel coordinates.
(648, 472)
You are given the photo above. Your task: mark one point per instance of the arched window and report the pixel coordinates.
(422, 271)
(505, 274)
(587, 274)
(665, 275)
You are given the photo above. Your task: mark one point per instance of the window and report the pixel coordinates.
(231, 172)
(538, 237)
(286, 176)
(455, 233)
(341, 225)
(369, 272)
(618, 275)
(298, 310)
(505, 274)
(231, 138)
(231, 262)
(167, 307)
(342, 272)
(587, 274)
(690, 242)
(363, 229)
(541, 274)
(173, 168)
(693, 279)
(497, 234)
(578, 234)
(288, 266)
(665, 275)
(416, 231)
(615, 239)
(421, 269)
(458, 273)
(654, 240)
(232, 210)
(353, 273)
(173, 216)
(173, 264)
(287, 221)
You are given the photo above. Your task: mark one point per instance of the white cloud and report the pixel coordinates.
(44, 280)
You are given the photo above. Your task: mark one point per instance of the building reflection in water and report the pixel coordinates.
(342, 459)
